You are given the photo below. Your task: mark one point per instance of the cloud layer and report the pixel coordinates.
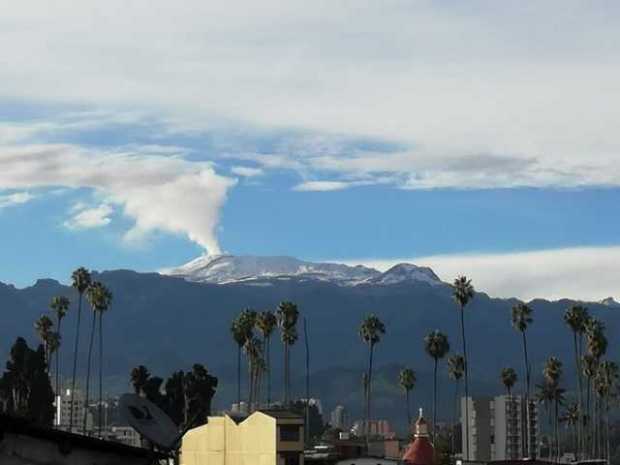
(477, 94)
(588, 273)
(158, 192)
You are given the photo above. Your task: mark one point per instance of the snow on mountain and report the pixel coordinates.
(224, 269)
(610, 302)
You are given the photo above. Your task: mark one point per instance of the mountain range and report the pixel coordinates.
(171, 319)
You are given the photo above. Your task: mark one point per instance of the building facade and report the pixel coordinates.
(339, 418)
(266, 437)
(498, 428)
(63, 412)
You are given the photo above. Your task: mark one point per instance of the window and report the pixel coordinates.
(289, 433)
(290, 458)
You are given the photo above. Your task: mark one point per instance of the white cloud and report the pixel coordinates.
(450, 81)
(15, 198)
(587, 273)
(321, 186)
(159, 192)
(246, 171)
(88, 218)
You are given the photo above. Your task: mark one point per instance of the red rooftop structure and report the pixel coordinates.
(421, 450)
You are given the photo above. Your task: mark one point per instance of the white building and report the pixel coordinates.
(497, 428)
(338, 418)
(63, 412)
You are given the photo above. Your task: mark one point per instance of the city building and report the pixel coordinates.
(376, 428)
(266, 437)
(498, 428)
(339, 418)
(421, 450)
(63, 412)
(316, 403)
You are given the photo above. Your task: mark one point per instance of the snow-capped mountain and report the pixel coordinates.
(610, 302)
(225, 269)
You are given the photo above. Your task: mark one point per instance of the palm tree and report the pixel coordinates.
(509, 378)
(521, 319)
(572, 417)
(589, 365)
(60, 306)
(99, 298)
(254, 350)
(552, 373)
(80, 281)
(239, 336)
(139, 376)
(596, 343)
(266, 322)
(437, 346)
(407, 380)
(576, 318)
(371, 330)
(606, 382)
(463, 293)
(456, 369)
(43, 326)
(287, 315)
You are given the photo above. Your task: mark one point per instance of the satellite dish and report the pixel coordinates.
(149, 420)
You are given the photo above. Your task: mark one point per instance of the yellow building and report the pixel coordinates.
(266, 437)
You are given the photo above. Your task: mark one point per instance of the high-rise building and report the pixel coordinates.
(338, 418)
(63, 412)
(497, 428)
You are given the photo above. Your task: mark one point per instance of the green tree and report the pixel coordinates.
(253, 348)
(589, 366)
(606, 382)
(509, 378)
(201, 387)
(43, 327)
(521, 319)
(596, 343)
(571, 417)
(138, 378)
(100, 299)
(437, 346)
(266, 323)
(59, 306)
(371, 330)
(463, 292)
(407, 380)
(80, 281)
(576, 317)
(552, 373)
(456, 369)
(287, 315)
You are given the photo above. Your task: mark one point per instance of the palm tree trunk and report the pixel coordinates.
(557, 432)
(528, 446)
(307, 419)
(455, 414)
(75, 356)
(435, 401)
(369, 394)
(408, 409)
(286, 374)
(579, 395)
(239, 377)
(90, 354)
(607, 444)
(588, 416)
(466, 372)
(269, 371)
(100, 413)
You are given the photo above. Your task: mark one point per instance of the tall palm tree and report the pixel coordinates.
(239, 336)
(606, 382)
(571, 417)
(43, 326)
(266, 322)
(589, 366)
(407, 380)
(463, 292)
(521, 319)
(437, 346)
(80, 281)
(552, 373)
(596, 343)
(138, 378)
(287, 316)
(576, 318)
(100, 299)
(254, 350)
(456, 369)
(371, 330)
(59, 306)
(509, 378)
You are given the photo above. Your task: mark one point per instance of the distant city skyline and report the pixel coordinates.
(472, 139)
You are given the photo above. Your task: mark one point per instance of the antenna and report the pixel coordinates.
(149, 420)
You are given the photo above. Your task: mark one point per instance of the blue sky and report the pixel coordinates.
(472, 139)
